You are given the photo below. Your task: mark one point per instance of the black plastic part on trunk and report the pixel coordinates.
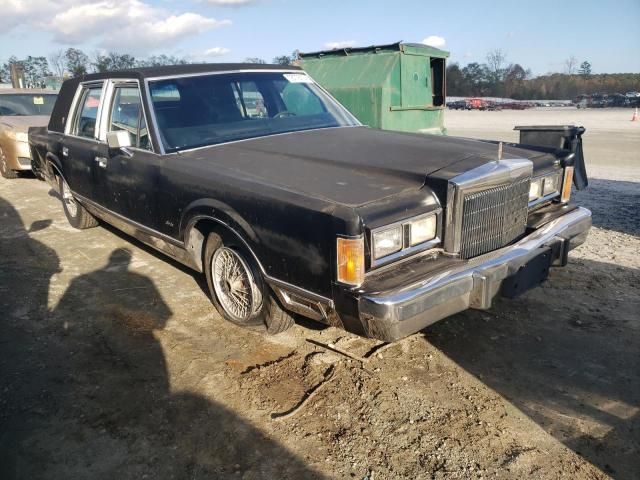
(567, 137)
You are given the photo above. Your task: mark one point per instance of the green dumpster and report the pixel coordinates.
(393, 87)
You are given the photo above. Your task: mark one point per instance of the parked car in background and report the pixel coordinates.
(255, 176)
(457, 105)
(19, 110)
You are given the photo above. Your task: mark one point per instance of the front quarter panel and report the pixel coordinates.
(291, 236)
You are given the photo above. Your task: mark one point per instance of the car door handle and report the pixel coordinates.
(101, 161)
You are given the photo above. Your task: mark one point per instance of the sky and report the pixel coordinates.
(539, 34)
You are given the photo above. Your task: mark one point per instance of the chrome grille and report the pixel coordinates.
(494, 217)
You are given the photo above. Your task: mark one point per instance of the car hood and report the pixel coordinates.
(351, 165)
(22, 123)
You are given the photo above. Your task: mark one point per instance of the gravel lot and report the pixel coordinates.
(113, 363)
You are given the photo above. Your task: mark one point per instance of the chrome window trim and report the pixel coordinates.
(74, 108)
(224, 72)
(112, 84)
(489, 175)
(406, 250)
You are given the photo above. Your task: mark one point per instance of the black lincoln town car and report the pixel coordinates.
(255, 176)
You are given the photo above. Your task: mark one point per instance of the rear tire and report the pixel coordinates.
(237, 289)
(76, 214)
(5, 171)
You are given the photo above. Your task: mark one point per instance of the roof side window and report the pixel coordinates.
(87, 112)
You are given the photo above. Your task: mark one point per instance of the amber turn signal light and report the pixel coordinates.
(351, 260)
(566, 185)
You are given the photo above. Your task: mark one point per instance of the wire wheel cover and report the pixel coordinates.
(69, 201)
(234, 285)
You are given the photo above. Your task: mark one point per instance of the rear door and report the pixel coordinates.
(80, 145)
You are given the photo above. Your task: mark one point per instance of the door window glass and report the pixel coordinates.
(250, 100)
(85, 124)
(299, 100)
(127, 115)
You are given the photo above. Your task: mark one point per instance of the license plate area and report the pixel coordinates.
(530, 275)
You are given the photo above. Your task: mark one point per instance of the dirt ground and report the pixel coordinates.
(114, 365)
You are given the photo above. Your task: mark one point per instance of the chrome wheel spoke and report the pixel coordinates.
(67, 198)
(234, 285)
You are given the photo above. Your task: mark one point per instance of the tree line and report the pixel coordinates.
(498, 78)
(494, 78)
(74, 62)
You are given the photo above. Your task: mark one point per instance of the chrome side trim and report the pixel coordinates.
(225, 72)
(87, 202)
(489, 175)
(159, 241)
(176, 250)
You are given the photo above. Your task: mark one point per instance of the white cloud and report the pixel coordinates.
(434, 41)
(216, 52)
(126, 24)
(340, 44)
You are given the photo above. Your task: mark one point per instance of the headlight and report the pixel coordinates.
(535, 190)
(551, 184)
(22, 137)
(405, 237)
(422, 230)
(386, 242)
(544, 186)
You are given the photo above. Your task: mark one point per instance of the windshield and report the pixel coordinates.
(210, 109)
(22, 104)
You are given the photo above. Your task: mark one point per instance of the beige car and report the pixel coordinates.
(19, 110)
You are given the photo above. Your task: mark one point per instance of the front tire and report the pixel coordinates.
(5, 171)
(76, 214)
(238, 290)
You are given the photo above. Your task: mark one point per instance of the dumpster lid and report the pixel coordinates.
(569, 129)
(391, 47)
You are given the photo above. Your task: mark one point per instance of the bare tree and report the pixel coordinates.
(570, 65)
(57, 60)
(496, 68)
(496, 60)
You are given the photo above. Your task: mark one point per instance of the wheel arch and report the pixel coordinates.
(53, 169)
(199, 227)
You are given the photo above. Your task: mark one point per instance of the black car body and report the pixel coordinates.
(310, 203)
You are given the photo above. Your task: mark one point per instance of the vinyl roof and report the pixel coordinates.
(148, 72)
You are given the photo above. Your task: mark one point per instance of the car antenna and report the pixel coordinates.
(499, 151)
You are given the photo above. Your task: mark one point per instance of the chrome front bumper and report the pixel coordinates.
(390, 315)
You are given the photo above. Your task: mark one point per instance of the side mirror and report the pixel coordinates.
(118, 139)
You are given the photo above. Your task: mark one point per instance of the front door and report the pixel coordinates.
(129, 176)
